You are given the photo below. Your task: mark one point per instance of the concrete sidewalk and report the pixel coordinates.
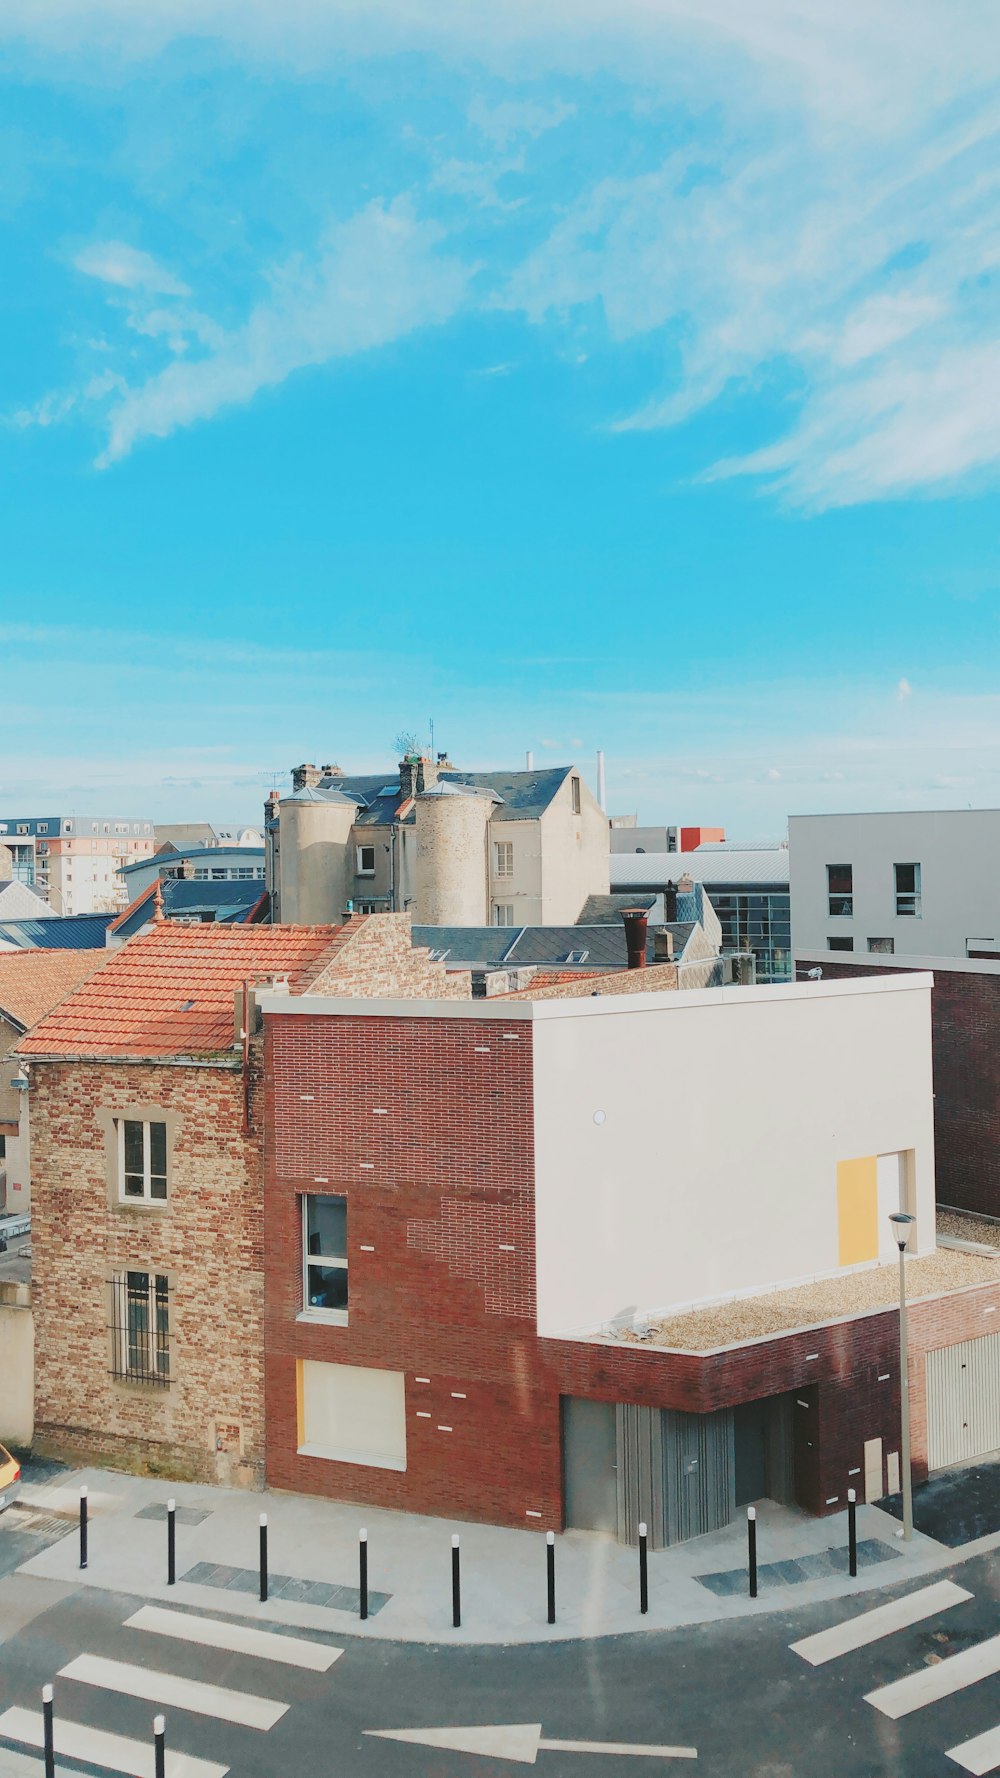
(314, 1545)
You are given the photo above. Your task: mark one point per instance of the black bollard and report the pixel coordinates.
(263, 1558)
(550, 1572)
(363, 1573)
(643, 1571)
(456, 1583)
(83, 1527)
(160, 1746)
(50, 1737)
(171, 1544)
(752, 1548)
(852, 1532)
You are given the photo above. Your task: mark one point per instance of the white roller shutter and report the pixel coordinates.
(353, 1415)
(963, 1401)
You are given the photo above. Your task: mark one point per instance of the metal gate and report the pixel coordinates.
(963, 1401)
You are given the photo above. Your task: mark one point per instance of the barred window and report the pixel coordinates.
(140, 1328)
(142, 1159)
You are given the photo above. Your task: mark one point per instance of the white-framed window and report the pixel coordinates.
(503, 913)
(882, 945)
(840, 890)
(142, 1160)
(366, 861)
(140, 1327)
(43, 827)
(907, 882)
(503, 858)
(324, 1256)
(349, 1413)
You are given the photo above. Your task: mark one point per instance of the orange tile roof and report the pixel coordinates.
(169, 992)
(33, 982)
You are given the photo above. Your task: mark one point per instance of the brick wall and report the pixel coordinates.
(965, 1027)
(655, 978)
(208, 1241)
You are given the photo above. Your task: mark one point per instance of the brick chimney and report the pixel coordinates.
(416, 773)
(305, 777)
(634, 921)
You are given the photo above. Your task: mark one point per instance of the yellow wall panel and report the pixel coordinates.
(857, 1209)
(300, 1414)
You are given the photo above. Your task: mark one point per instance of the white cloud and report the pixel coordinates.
(504, 122)
(904, 690)
(374, 278)
(113, 262)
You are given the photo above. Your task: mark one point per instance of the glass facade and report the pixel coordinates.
(760, 922)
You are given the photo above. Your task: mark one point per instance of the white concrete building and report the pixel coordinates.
(925, 883)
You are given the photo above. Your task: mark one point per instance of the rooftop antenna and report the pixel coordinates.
(431, 721)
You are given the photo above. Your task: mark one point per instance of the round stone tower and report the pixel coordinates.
(453, 836)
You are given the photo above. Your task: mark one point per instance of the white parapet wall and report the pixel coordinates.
(696, 1146)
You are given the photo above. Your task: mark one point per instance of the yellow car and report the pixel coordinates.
(10, 1478)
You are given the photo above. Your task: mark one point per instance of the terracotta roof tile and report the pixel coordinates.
(169, 992)
(33, 982)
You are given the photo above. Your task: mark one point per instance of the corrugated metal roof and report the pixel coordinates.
(717, 870)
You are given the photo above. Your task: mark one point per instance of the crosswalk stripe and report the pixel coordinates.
(981, 1754)
(884, 1620)
(116, 1753)
(240, 1639)
(168, 1688)
(929, 1684)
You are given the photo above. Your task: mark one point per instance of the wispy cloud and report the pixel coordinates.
(114, 262)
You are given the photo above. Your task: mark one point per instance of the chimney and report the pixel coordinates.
(416, 774)
(634, 920)
(529, 761)
(185, 870)
(601, 790)
(663, 945)
(331, 771)
(670, 902)
(305, 777)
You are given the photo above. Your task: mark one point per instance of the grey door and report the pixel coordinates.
(590, 1480)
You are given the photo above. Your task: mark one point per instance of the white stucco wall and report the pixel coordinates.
(726, 1111)
(17, 1365)
(958, 851)
(575, 854)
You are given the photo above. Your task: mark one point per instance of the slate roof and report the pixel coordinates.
(65, 932)
(606, 910)
(524, 795)
(184, 899)
(495, 947)
(170, 991)
(33, 982)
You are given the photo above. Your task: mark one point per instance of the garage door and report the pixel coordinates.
(963, 1401)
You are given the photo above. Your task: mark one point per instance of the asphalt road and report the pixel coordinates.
(736, 1692)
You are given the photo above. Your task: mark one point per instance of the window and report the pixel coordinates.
(840, 890)
(574, 787)
(840, 944)
(351, 1414)
(366, 861)
(437, 956)
(983, 947)
(882, 944)
(576, 956)
(23, 827)
(503, 858)
(907, 890)
(142, 1159)
(3, 1147)
(140, 1328)
(324, 1255)
(43, 827)
(503, 913)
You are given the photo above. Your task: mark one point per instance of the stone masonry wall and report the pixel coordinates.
(373, 957)
(208, 1240)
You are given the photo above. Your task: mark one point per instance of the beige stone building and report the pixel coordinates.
(449, 847)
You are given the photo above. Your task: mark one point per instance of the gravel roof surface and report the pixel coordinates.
(832, 1299)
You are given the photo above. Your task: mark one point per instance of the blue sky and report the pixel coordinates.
(598, 374)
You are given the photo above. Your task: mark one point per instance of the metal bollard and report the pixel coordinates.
(363, 1573)
(752, 1548)
(456, 1583)
(263, 1558)
(50, 1738)
(171, 1544)
(83, 1527)
(852, 1532)
(643, 1571)
(160, 1746)
(550, 1572)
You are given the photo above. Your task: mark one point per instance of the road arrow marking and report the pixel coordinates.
(522, 1742)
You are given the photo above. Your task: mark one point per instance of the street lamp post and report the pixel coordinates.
(902, 1226)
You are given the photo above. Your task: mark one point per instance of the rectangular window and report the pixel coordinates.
(983, 947)
(140, 1328)
(503, 858)
(350, 1414)
(887, 945)
(324, 1256)
(503, 913)
(840, 944)
(366, 861)
(840, 890)
(574, 786)
(907, 890)
(142, 1160)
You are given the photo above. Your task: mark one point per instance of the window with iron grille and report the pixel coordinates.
(140, 1328)
(142, 1159)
